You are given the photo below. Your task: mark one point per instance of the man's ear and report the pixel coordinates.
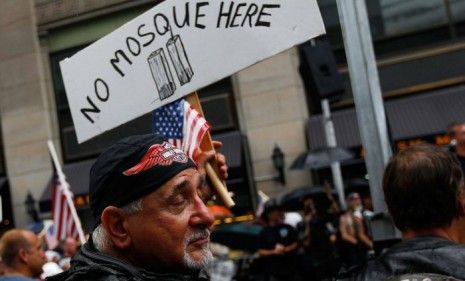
(22, 255)
(114, 221)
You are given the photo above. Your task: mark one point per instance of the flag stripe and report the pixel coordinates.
(182, 125)
(65, 224)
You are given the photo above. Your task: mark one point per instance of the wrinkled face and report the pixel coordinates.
(171, 231)
(35, 255)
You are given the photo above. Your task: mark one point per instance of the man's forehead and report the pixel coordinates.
(182, 178)
(31, 237)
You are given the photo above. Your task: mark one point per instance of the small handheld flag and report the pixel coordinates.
(181, 124)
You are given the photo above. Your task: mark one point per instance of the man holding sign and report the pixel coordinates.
(148, 195)
(148, 198)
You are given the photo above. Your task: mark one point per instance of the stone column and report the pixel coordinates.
(26, 108)
(273, 110)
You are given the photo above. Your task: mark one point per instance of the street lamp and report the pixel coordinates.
(31, 207)
(278, 163)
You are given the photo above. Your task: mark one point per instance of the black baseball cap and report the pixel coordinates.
(132, 168)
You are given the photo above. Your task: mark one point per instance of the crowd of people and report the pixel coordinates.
(149, 201)
(317, 247)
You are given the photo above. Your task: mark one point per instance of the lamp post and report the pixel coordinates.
(278, 162)
(31, 207)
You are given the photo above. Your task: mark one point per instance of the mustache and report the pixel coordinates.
(198, 234)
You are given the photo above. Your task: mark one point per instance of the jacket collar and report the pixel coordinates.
(91, 256)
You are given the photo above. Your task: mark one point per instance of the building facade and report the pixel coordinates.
(36, 35)
(420, 50)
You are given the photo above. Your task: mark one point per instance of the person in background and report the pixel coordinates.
(451, 132)
(319, 259)
(459, 150)
(22, 255)
(355, 242)
(424, 191)
(278, 246)
(69, 250)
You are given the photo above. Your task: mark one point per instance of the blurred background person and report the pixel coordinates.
(424, 192)
(451, 131)
(460, 144)
(70, 248)
(354, 240)
(319, 257)
(458, 149)
(278, 246)
(22, 255)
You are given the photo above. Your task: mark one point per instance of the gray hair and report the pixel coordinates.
(100, 235)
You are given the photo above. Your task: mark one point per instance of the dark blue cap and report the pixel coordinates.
(132, 168)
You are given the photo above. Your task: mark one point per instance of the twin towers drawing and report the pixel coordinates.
(160, 68)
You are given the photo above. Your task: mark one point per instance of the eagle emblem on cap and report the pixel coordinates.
(158, 154)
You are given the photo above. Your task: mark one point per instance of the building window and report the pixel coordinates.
(216, 99)
(218, 105)
(399, 25)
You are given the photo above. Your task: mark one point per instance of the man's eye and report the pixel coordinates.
(178, 200)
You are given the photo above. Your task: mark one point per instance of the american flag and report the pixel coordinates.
(65, 220)
(181, 124)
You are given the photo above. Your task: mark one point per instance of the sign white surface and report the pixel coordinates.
(174, 49)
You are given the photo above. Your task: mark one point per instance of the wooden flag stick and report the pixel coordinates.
(206, 145)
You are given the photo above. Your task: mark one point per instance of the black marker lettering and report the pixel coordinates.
(199, 15)
(116, 60)
(224, 14)
(93, 109)
(97, 92)
(262, 13)
(249, 14)
(186, 16)
(166, 26)
(135, 44)
(237, 14)
(149, 34)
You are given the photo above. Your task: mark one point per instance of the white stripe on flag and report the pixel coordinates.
(65, 224)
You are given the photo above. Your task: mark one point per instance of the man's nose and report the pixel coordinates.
(201, 215)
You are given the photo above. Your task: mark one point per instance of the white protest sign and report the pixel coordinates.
(174, 49)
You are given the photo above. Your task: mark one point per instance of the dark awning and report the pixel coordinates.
(77, 175)
(409, 117)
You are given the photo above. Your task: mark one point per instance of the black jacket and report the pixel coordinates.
(90, 264)
(417, 255)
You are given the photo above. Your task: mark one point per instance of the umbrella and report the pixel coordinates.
(292, 201)
(239, 236)
(321, 158)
